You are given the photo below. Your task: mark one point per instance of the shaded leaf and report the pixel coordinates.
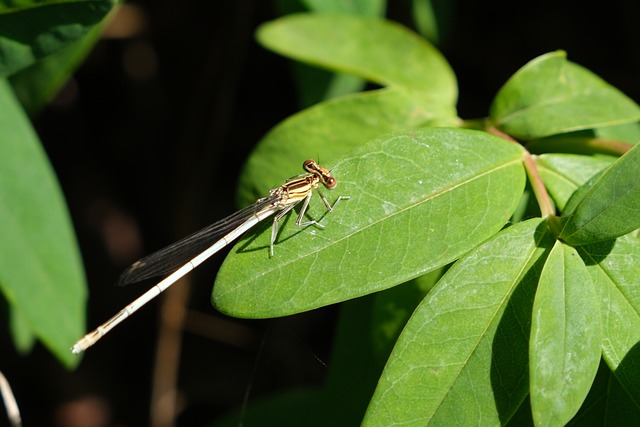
(551, 95)
(613, 267)
(36, 29)
(283, 409)
(629, 132)
(426, 20)
(353, 370)
(37, 84)
(462, 358)
(399, 223)
(22, 336)
(354, 7)
(607, 206)
(607, 404)
(565, 338)
(393, 308)
(40, 268)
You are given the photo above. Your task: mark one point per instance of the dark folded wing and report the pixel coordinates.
(174, 256)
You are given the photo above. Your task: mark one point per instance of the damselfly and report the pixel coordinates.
(183, 256)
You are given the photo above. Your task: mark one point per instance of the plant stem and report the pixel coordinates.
(546, 207)
(539, 190)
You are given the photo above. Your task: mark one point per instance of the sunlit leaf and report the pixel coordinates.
(563, 174)
(462, 358)
(377, 50)
(419, 199)
(330, 130)
(608, 205)
(551, 95)
(565, 338)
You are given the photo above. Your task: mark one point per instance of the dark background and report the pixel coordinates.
(148, 140)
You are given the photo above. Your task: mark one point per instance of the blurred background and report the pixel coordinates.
(148, 140)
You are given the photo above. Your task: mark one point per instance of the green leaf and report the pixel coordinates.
(37, 84)
(283, 409)
(462, 358)
(35, 29)
(613, 267)
(393, 308)
(313, 84)
(608, 205)
(607, 403)
(22, 336)
(356, 361)
(629, 132)
(399, 223)
(40, 268)
(380, 51)
(330, 130)
(353, 370)
(563, 174)
(354, 7)
(565, 338)
(426, 20)
(551, 95)
(608, 140)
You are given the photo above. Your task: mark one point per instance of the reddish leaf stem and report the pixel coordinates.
(539, 190)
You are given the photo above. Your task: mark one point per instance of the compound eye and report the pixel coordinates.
(309, 165)
(330, 182)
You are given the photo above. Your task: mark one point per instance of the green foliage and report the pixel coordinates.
(565, 323)
(464, 302)
(40, 268)
(514, 330)
(404, 220)
(32, 30)
(551, 95)
(41, 274)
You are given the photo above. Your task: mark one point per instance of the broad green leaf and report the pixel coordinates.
(565, 338)
(315, 85)
(608, 205)
(613, 267)
(462, 358)
(551, 95)
(563, 174)
(419, 200)
(35, 29)
(380, 51)
(40, 268)
(330, 130)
